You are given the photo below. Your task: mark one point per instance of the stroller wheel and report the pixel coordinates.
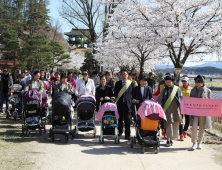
(52, 138)
(27, 133)
(66, 138)
(22, 129)
(44, 129)
(131, 142)
(157, 149)
(134, 140)
(94, 135)
(73, 134)
(50, 133)
(143, 149)
(40, 132)
(77, 136)
(14, 118)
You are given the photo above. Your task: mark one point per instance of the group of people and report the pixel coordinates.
(128, 90)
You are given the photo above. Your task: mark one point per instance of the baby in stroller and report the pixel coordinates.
(147, 125)
(16, 106)
(108, 117)
(16, 102)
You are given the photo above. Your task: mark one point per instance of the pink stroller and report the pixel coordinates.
(45, 108)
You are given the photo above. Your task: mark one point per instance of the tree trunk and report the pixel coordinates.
(177, 75)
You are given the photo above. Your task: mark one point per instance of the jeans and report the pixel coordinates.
(4, 96)
(201, 120)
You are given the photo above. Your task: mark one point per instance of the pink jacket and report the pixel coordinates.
(73, 83)
(104, 107)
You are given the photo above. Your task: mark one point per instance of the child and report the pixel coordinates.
(16, 102)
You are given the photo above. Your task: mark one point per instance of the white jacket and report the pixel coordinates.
(81, 89)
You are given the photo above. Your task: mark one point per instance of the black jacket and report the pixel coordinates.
(138, 95)
(128, 92)
(108, 92)
(111, 84)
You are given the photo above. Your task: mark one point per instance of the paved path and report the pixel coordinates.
(86, 153)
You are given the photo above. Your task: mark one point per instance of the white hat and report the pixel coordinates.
(185, 79)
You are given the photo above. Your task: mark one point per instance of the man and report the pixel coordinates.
(27, 77)
(151, 82)
(47, 74)
(95, 78)
(75, 76)
(118, 77)
(123, 93)
(5, 83)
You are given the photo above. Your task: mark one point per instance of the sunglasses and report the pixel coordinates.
(84, 74)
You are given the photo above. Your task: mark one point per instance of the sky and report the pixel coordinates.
(66, 27)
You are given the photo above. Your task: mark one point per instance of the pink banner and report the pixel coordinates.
(201, 107)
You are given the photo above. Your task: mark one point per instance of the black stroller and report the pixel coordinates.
(61, 116)
(86, 106)
(32, 117)
(16, 110)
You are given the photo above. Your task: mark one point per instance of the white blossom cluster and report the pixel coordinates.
(143, 33)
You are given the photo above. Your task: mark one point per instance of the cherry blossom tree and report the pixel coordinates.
(75, 61)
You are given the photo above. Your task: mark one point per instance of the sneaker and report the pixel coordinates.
(181, 138)
(199, 146)
(184, 134)
(194, 146)
(171, 143)
(168, 144)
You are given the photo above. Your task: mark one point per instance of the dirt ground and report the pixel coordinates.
(37, 152)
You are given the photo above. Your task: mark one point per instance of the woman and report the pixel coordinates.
(185, 89)
(103, 92)
(73, 83)
(55, 82)
(35, 84)
(170, 97)
(109, 81)
(85, 86)
(142, 92)
(199, 91)
(133, 80)
(64, 86)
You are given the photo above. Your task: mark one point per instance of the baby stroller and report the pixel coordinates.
(31, 114)
(16, 110)
(148, 117)
(108, 117)
(86, 106)
(45, 108)
(61, 116)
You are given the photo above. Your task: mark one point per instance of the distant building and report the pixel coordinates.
(77, 38)
(6, 62)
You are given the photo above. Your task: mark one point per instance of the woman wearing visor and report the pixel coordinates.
(185, 89)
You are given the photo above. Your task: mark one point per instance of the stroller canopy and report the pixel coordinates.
(46, 85)
(61, 103)
(104, 107)
(16, 87)
(86, 98)
(151, 110)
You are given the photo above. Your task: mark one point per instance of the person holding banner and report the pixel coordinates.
(199, 91)
(123, 93)
(170, 98)
(185, 89)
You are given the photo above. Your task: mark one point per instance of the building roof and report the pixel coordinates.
(77, 32)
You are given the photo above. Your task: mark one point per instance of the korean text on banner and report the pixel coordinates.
(201, 107)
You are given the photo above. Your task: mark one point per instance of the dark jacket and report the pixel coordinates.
(137, 95)
(111, 84)
(108, 92)
(10, 82)
(128, 92)
(22, 83)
